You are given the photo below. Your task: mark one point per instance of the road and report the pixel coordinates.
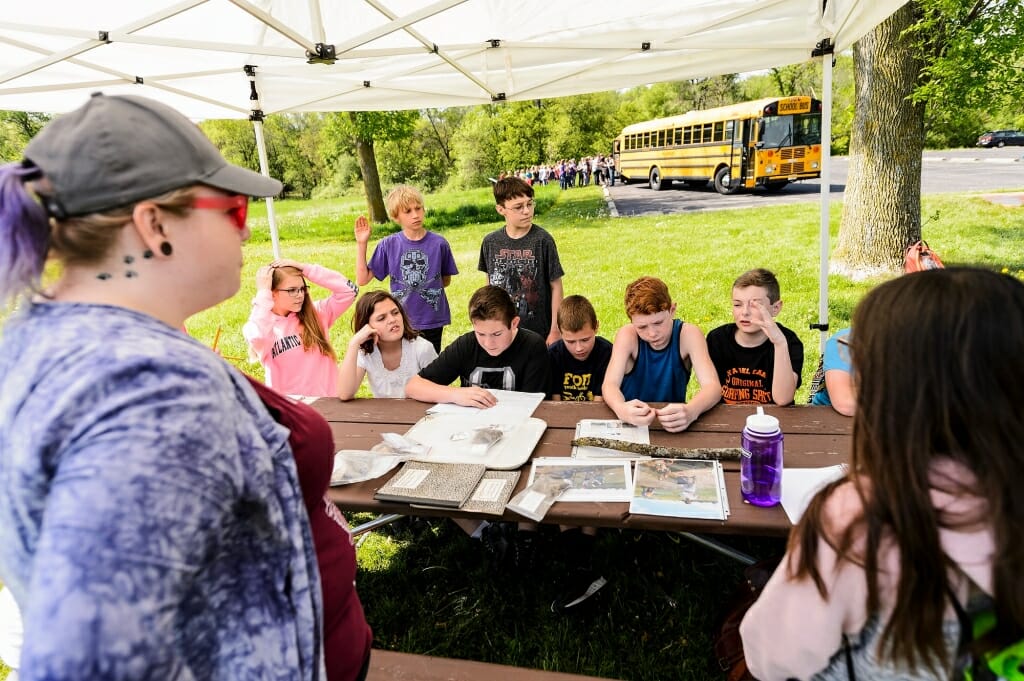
(960, 170)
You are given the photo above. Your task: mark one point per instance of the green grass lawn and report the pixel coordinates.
(430, 590)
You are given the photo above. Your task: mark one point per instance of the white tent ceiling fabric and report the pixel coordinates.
(396, 54)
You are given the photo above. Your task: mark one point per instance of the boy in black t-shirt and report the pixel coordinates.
(496, 354)
(578, 364)
(579, 359)
(758, 361)
(522, 258)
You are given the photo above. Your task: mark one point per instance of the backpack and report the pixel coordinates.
(1006, 664)
(919, 257)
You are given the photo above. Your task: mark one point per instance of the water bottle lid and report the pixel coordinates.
(762, 423)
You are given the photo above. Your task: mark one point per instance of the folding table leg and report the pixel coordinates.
(379, 521)
(720, 547)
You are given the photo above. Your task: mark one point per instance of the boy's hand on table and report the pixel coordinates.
(675, 417)
(475, 397)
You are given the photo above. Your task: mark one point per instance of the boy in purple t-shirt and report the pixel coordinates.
(420, 263)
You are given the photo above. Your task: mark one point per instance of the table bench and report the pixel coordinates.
(387, 665)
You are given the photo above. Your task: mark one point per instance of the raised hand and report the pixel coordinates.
(762, 317)
(264, 278)
(362, 230)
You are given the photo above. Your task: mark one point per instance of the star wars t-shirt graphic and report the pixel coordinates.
(516, 272)
(414, 266)
(498, 378)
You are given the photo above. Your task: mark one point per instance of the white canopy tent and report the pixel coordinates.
(242, 58)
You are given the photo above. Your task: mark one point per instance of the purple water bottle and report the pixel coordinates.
(761, 464)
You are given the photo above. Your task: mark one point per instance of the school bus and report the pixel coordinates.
(764, 143)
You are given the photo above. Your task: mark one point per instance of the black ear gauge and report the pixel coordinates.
(165, 248)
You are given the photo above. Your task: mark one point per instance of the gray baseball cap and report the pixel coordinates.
(116, 150)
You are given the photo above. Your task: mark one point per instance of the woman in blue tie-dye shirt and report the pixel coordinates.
(151, 522)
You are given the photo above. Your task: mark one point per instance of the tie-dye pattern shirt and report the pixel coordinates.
(151, 521)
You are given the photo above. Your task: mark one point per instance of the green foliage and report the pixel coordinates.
(293, 148)
(16, 129)
(974, 53)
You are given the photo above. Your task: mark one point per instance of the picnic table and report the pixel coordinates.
(815, 437)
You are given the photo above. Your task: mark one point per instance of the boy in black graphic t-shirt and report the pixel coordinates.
(522, 259)
(758, 361)
(580, 358)
(496, 354)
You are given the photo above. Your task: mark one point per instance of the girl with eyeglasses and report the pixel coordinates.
(384, 348)
(287, 331)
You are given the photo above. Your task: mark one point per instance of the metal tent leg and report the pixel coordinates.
(720, 547)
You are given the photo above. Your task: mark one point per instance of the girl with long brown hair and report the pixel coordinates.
(932, 510)
(287, 330)
(384, 348)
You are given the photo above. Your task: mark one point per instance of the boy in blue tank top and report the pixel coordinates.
(652, 358)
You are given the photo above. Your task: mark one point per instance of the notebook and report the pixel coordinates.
(435, 484)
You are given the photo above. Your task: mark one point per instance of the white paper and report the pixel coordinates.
(613, 430)
(799, 485)
(411, 478)
(489, 490)
(513, 407)
(532, 500)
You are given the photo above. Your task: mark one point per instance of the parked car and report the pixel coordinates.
(1002, 138)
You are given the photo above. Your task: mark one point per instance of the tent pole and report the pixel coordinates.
(261, 148)
(256, 116)
(826, 195)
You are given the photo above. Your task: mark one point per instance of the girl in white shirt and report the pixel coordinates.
(385, 348)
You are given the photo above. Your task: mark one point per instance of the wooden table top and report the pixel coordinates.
(814, 437)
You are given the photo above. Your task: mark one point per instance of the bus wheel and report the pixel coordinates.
(776, 186)
(657, 184)
(724, 183)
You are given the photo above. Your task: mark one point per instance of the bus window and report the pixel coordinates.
(687, 134)
(707, 132)
(647, 140)
(807, 129)
(729, 126)
(679, 136)
(719, 134)
(661, 138)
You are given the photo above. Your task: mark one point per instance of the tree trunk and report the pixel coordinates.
(371, 180)
(882, 207)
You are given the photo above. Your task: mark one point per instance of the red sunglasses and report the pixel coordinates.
(237, 207)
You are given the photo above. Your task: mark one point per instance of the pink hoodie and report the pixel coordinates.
(276, 341)
(792, 632)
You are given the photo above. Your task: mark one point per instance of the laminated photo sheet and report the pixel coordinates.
(589, 480)
(610, 429)
(681, 488)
